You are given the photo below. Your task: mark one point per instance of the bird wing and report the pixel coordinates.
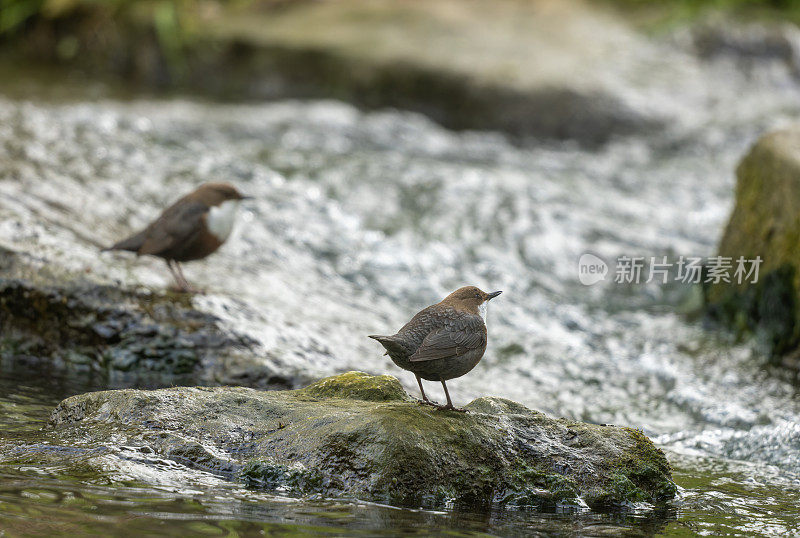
(458, 334)
(177, 225)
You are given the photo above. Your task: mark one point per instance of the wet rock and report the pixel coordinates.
(749, 44)
(363, 436)
(765, 222)
(75, 324)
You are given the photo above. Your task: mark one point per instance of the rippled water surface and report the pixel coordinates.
(133, 497)
(361, 219)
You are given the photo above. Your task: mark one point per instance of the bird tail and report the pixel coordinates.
(386, 341)
(132, 243)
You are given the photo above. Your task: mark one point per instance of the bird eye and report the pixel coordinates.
(478, 295)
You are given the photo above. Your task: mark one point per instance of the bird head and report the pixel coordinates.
(215, 194)
(469, 298)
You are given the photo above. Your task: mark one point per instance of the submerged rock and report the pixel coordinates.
(765, 222)
(362, 436)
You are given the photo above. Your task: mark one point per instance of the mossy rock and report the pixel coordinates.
(357, 435)
(72, 323)
(359, 386)
(765, 222)
(103, 328)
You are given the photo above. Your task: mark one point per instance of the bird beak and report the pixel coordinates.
(247, 198)
(492, 295)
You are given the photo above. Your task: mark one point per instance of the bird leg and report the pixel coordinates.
(187, 287)
(181, 284)
(175, 275)
(450, 405)
(425, 400)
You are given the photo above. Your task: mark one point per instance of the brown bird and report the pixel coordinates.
(190, 229)
(443, 341)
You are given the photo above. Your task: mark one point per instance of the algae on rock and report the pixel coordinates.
(765, 223)
(362, 436)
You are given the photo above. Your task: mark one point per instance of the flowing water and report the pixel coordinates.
(359, 220)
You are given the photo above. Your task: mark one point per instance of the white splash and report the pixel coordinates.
(221, 218)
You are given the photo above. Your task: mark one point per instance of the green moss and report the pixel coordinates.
(642, 470)
(534, 488)
(767, 310)
(358, 386)
(620, 489)
(765, 222)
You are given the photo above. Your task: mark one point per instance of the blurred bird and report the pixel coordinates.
(190, 229)
(442, 341)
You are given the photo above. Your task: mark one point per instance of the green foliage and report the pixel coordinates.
(15, 12)
(171, 20)
(678, 10)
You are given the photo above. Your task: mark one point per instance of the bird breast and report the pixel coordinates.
(220, 219)
(483, 310)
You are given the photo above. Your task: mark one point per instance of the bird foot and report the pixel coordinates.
(441, 407)
(450, 408)
(187, 289)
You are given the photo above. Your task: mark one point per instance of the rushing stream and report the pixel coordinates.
(359, 220)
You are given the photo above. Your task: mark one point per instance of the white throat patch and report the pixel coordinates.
(220, 219)
(483, 310)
